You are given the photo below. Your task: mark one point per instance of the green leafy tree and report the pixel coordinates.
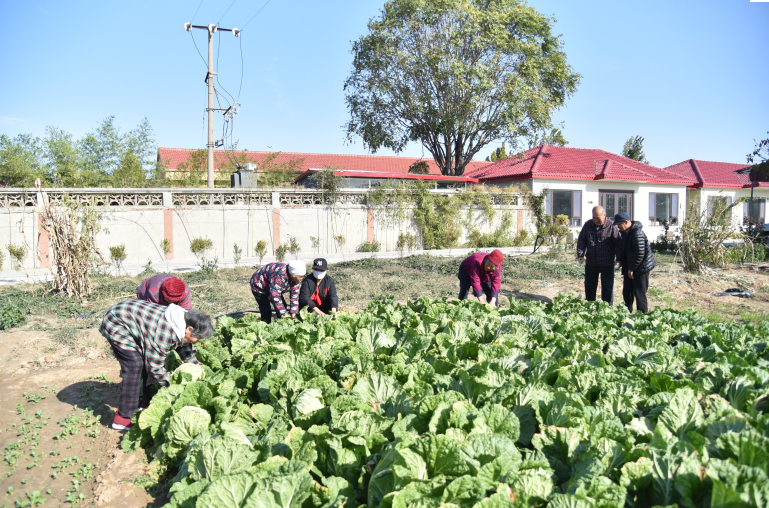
(553, 137)
(63, 158)
(759, 157)
(634, 149)
(193, 169)
(419, 168)
(20, 160)
(130, 173)
(278, 174)
(455, 75)
(498, 154)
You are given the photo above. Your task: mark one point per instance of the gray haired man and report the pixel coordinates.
(597, 247)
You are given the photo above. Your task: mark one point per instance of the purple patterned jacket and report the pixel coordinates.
(272, 279)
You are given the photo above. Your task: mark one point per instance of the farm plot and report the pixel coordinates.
(437, 403)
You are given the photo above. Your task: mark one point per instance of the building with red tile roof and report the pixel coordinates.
(722, 180)
(368, 179)
(173, 157)
(565, 163)
(575, 180)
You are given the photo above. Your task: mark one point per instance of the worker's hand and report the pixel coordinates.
(317, 311)
(630, 274)
(333, 311)
(492, 302)
(580, 260)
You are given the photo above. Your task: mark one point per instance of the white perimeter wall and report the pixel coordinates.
(142, 228)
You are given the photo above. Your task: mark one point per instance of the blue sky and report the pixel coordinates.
(689, 76)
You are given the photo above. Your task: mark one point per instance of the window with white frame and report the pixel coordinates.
(663, 209)
(568, 203)
(754, 212)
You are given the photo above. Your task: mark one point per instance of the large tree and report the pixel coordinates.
(634, 149)
(455, 75)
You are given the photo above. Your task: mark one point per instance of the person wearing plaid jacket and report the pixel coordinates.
(141, 335)
(270, 282)
(598, 246)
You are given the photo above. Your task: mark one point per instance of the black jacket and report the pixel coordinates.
(637, 253)
(327, 292)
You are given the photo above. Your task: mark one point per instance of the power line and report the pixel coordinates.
(196, 11)
(218, 49)
(225, 12)
(255, 15)
(196, 47)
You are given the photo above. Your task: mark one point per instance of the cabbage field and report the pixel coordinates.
(438, 403)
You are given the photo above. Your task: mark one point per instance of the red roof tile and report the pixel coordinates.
(172, 157)
(565, 163)
(712, 174)
(382, 174)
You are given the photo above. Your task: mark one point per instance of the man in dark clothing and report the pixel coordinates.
(597, 247)
(318, 291)
(637, 261)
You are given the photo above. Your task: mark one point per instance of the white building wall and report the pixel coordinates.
(706, 193)
(590, 198)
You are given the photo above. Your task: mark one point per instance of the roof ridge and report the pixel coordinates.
(697, 172)
(537, 159)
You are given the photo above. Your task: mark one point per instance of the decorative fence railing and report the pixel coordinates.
(22, 198)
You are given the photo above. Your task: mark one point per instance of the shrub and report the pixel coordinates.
(11, 315)
(117, 255)
(339, 240)
(199, 246)
(369, 247)
(18, 253)
(280, 252)
(237, 252)
(315, 244)
(293, 246)
(165, 246)
(406, 241)
(260, 250)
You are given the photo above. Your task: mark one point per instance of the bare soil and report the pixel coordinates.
(60, 383)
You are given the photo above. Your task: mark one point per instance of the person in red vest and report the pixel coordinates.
(483, 273)
(318, 291)
(165, 289)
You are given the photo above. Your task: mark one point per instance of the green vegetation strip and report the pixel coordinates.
(438, 403)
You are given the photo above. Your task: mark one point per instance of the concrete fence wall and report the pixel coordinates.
(140, 219)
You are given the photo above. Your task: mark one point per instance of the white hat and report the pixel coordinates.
(297, 267)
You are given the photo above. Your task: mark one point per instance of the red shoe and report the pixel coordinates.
(120, 423)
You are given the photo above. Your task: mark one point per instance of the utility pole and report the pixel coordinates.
(212, 29)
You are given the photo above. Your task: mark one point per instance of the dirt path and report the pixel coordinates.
(57, 407)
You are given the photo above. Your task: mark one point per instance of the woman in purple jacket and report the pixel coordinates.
(482, 272)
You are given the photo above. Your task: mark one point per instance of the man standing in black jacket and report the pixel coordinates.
(637, 261)
(318, 291)
(597, 246)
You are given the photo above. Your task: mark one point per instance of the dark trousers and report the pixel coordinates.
(134, 374)
(465, 285)
(635, 288)
(606, 273)
(265, 305)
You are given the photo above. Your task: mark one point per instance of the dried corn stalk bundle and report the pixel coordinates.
(72, 229)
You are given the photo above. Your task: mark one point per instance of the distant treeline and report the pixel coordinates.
(103, 158)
